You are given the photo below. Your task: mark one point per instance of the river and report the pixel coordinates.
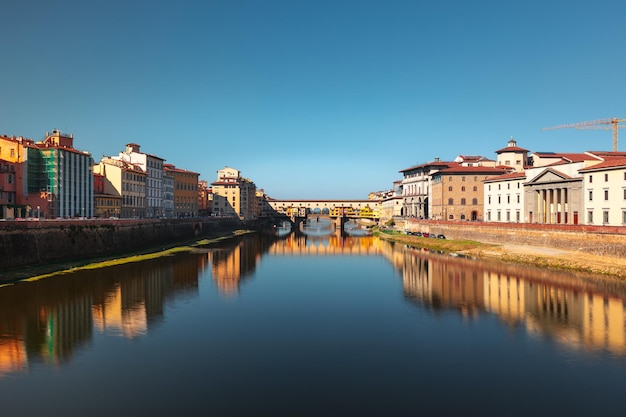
(313, 326)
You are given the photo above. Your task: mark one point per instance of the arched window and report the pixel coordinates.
(462, 201)
(474, 201)
(450, 201)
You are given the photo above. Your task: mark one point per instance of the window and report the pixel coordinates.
(590, 178)
(507, 163)
(606, 177)
(508, 185)
(508, 199)
(623, 217)
(518, 199)
(462, 178)
(606, 195)
(450, 201)
(517, 216)
(449, 188)
(590, 195)
(489, 186)
(605, 217)
(462, 201)
(489, 198)
(508, 216)
(463, 188)
(475, 201)
(590, 217)
(475, 188)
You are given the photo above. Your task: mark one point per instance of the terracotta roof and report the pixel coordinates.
(572, 157)
(614, 162)
(607, 154)
(512, 149)
(431, 164)
(505, 177)
(472, 170)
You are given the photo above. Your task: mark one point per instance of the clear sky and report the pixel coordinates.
(313, 99)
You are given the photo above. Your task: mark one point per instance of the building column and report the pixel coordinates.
(566, 217)
(539, 203)
(551, 206)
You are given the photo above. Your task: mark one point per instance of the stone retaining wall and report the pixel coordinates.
(598, 240)
(40, 242)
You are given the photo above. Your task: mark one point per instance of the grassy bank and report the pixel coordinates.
(539, 257)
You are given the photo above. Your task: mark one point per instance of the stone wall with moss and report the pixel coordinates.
(36, 243)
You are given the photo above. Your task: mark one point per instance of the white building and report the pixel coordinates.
(417, 186)
(504, 198)
(153, 166)
(604, 192)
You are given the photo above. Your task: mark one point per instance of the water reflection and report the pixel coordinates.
(575, 310)
(49, 321)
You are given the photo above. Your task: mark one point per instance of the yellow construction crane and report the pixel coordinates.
(606, 124)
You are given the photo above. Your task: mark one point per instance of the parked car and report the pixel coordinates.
(440, 236)
(425, 234)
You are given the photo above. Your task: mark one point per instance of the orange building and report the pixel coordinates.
(185, 191)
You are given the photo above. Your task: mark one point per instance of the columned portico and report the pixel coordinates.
(551, 203)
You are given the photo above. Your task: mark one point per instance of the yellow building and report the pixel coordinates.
(125, 181)
(234, 195)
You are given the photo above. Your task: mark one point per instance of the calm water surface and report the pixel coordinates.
(304, 326)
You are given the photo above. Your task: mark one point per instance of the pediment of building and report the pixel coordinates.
(549, 176)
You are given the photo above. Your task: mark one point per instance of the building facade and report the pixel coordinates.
(126, 181)
(153, 167)
(234, 195)
(417, 186)
(11, 174)
(604, 192)
(185, 191)
(105, 205)
(458, 193)
(504, 198)
(64, 174)
(513, 157)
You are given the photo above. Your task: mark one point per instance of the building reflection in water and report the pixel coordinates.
(575, 310)
(48, 321)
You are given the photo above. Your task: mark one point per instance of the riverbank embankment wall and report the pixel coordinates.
(39, 242)
(597, 240)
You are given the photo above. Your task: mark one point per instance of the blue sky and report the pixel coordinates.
(313, 99)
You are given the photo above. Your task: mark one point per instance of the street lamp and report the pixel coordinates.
(38, 213)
